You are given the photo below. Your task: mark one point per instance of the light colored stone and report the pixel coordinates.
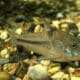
(32, 52)
(4, 53)
(37, 72)
(18, 78)
(78, 4)
(45, 62)
(3, 34)
(54, 69)
(55, 23)
(38, 28)
(64, 27)
(75, 78)
(26, 77)
(5, 76)
(10, 68)
(58, 76)
(68, 20)
(60, 15)
(7, 56)
(18, 31)
(78, 25)
(71, 69)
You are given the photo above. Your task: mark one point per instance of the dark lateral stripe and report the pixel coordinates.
(33, 42)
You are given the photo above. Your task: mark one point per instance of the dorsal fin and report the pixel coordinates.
(47, 25)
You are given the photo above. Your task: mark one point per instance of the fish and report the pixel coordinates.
(54, 45)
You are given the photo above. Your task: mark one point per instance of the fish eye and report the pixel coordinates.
(74, 45)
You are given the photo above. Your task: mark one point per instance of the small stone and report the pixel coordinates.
(32, 52)
(64, 27)
(5, 76)
(38, 28)
(37, 72)
(30, 62)
(55, 23)
(58, 76)
(45, 62)
(26, 77)
(18, 78)
(7, 56)
(75, 78)
(71, 69)
(18, 31)
(68, 20)
(54, 69)
(4, 53)
(78, 26)
(78, 4)
(10, 68)
(3, 34)
(60, 15)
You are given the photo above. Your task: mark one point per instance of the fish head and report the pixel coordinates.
(72, 48)
(66, 47)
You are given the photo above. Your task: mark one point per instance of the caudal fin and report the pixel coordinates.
(12, 35)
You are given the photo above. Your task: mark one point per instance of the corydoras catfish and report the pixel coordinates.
(54, 45)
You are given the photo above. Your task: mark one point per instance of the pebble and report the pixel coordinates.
(3, 34)
(60, 15)
(54, 69)
(38, 28)
(5, 76)
(10, 68)
(64, 27)
(58, 76)
(18, 31)
(78, 4)
(55, 23)
(18, 79)
(26, 77)
(37, 72)
(78, 25)
(75, 78)
(4, 53)
(45, 62)
(71, 69)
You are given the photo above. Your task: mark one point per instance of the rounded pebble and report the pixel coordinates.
(5, 76)
(18, 31)
(38, 28)
(4, 53)
(37, 72)
(45, 62)
(4, 34)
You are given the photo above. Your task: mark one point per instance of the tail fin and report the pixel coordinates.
(48, 26)
(12, 35)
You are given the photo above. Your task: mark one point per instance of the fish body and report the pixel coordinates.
(55, 45)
